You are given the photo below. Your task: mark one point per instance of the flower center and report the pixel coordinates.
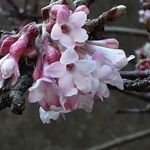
(65, 29)
(70, 67)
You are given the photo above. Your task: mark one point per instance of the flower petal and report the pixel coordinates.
(84, 65)
(56, 32)
(69, 56)
(78, 19)
(66, 84)
(79, 35)
(82, 82)
(67, 41)
(55, 70)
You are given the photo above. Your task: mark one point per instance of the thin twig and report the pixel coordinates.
(138, 85)
(122, 140)
(134, 110)
(83, 2)
(135, 74)
(126, 30)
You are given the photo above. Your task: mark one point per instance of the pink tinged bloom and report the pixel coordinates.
(116, 56)
(71, 104)
(79, 101)
(45, 92)
(9, 68)
(109, 43)
(72, 72)
(53, 114)
(68, 28)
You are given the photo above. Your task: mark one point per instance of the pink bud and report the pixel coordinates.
(32, 31)
(6, 43)
(110, 43)
(82, 8)
(19, 46)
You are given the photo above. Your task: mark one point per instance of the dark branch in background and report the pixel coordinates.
(122, 140)
(23, 15)
(134, 110)
(83, 2)
(126, 30)
(13, 97)
(134, 74)
(138, 85)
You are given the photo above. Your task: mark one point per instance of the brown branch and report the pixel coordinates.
(95, 27)
(135, 74)
(126, 30)
(83, 2)
(138, 85)
(122, 140)
(134, 110)
(13, 97)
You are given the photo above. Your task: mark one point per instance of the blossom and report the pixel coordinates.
(68, 27)
(71, 104)
(72, 72)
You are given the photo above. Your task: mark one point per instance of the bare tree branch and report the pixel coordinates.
(126, 30)
(83, 2)
(134, 110)
(135, 74)
(138, 85)
(122, 140)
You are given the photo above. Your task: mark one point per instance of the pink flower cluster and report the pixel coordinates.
(70, 70)
(144, 13)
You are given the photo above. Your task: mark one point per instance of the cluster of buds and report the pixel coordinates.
(143, 57)
(145, 13)
(70, 70)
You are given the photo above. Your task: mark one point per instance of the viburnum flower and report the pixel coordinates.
(68, 27)
(72, 72)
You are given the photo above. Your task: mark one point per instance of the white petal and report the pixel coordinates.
(56, 32)
(79, 35)
(67, 41)
(86, 66)
(82, 82)
(55, 70)
(69, 56)
(78, 19)
(66, 84)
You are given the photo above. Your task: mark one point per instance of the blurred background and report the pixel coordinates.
(79, 130)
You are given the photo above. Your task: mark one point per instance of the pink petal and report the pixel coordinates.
(69, 56)
(67, 41)
(38, 90)
(103, 90)
(82, 82)
(79, 35)
(78, 19)
(104, 71)
(83, 8)
(95, 85)
(55, 70)
(115, 79)
(15, 76)
(84, 65)
(116, 56)
(62, 16)
(56, 32)
(66, 84)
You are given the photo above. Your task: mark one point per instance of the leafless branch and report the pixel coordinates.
(122, 140)
(135, 74)
(126, 30)
(134, 110)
